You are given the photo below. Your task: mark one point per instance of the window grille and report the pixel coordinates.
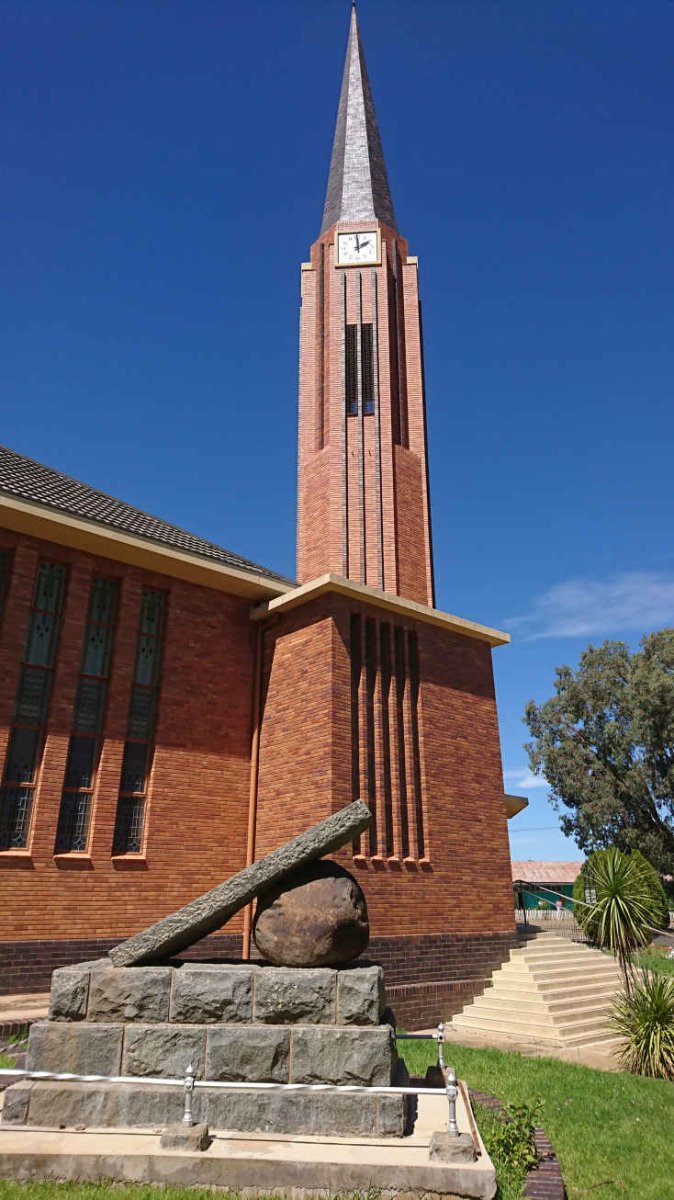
(130, 818)
(351, 371)
(32, 706)
(366, 369)
(72, 832)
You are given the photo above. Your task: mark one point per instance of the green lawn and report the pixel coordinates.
(612, 1132)
(656, 959)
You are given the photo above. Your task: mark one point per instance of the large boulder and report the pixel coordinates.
(315, 917)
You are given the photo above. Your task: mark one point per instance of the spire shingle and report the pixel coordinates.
(357, 184)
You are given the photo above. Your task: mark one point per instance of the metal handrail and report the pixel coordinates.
(234, 1085)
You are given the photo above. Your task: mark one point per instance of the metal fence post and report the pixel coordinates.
(452, 1093)
(188, 1085)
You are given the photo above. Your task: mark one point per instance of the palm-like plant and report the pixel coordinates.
(623, 909)
(645, 1020)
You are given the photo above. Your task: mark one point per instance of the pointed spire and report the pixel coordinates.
(357, 184)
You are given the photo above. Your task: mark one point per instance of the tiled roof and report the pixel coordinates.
(533, 871)
(29, 480)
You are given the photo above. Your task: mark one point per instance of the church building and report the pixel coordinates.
(171, 711)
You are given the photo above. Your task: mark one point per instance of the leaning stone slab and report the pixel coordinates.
(208, 912)
(342, 1056)
(288, 995)
(138, 994)
(164, 1050)
(248, 1053)
(211, 993)
(75, 1049)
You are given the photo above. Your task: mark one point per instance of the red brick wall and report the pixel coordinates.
(462, 884)
(198, 794)
(455, 900)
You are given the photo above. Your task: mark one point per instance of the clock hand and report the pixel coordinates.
(357, 244)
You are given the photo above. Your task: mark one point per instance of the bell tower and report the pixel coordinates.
(363, 507)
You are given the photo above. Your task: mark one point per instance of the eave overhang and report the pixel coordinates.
(40, 521)
(338, 586)
(514, 804)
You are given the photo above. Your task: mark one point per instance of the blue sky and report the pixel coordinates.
(164, 168)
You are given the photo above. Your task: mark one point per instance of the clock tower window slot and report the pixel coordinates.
(366, 372)
(351, 372)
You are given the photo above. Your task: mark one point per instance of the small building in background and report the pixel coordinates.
(540, 884)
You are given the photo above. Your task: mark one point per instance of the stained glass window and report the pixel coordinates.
(31, 706)
(130, 819)
(72, 834)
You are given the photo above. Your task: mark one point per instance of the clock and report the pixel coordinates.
(359, 248)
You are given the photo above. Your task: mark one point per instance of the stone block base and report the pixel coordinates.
(445, 1148)
(185, 1137)
(232, 1053)
(143, 1105)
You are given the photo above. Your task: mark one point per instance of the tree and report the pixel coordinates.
(619, 901)
(605, 744)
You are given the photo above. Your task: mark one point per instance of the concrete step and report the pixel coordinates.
(528, 1031)
(576, 992)
(554, 974)
(550, 954)
(575, 1033)
(550, 990)
(607, 1043)
(586, 1017)
(557, 1010)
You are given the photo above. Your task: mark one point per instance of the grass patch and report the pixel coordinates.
(612, 1132)
(6, 1062)
(656, 959)
(510, 1179)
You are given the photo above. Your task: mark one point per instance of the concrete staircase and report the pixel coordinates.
(550, 990)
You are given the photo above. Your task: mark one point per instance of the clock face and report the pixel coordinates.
(361, 247)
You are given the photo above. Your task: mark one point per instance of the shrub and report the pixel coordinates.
(510, 1142)
(645, 1019)
(622, 904)
(660, 901)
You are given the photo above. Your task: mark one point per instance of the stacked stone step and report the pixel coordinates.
(236, 1023)
(550, 990)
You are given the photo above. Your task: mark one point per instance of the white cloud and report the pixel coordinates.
(639, 600)
(524, 779)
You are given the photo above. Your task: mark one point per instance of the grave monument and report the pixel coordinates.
(147, 1016)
